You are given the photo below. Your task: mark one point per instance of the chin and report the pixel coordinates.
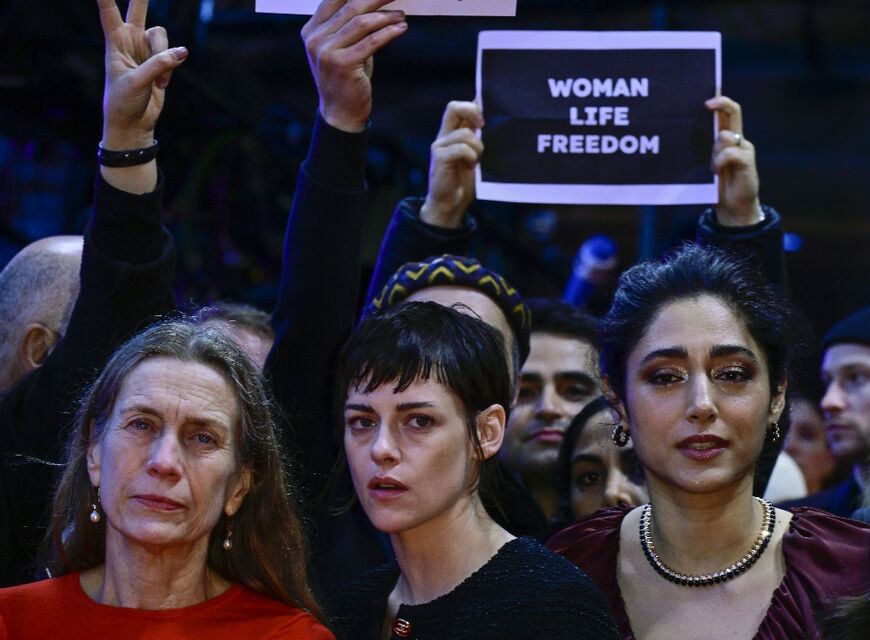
(153, 534)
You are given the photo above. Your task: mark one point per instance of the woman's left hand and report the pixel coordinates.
(733, 160)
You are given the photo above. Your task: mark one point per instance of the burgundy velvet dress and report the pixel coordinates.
(826, 557)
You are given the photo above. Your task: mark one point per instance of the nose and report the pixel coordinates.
(548, 407)
(834, 399)
(701, 406)
(385, 450)
(621, 491)
(166, 457)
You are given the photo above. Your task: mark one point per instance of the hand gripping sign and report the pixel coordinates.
(582, 117)
(411, 7)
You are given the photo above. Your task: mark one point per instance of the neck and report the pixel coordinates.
(143, 577)
(700, 533)
(432, 565)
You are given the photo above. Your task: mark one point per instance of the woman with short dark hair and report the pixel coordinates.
(695, 353)
(426, 394)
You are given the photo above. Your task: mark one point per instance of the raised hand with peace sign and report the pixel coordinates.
(139, 64)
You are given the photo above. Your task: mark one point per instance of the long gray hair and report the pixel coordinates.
(270, 551)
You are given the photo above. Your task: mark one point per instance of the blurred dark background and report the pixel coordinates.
(239, 112)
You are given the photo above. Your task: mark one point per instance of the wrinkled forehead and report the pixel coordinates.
(179, 390)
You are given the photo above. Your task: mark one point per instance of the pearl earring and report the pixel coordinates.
(95, 516)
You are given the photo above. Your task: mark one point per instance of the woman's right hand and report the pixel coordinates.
(139, 64)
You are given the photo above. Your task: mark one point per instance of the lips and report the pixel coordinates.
(158, 503)
(385, 487)
(548, 435)
(837, 427)
(702, 446)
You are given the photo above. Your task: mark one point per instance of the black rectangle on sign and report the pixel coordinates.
(664, 137)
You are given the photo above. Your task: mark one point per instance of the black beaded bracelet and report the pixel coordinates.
(129, 158)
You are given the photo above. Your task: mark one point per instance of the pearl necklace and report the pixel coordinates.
(768, 521)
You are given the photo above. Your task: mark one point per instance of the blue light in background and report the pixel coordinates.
(792, 242)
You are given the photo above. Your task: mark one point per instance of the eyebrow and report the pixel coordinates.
(405, 406)
(408, 406)
(198, 422)
(351, 406)
(718, 351)
(669, 352)
(586, 457)
(575, 375)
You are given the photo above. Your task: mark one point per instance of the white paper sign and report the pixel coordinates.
(411, 7)
(586, 117)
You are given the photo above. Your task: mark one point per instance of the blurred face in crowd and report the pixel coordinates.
(846, 403)
(558, 379)
(602, 474)
(807, 444)
(410, 455)
(166, 460)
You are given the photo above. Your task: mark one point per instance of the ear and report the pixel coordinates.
(36, 344)
(617, 408)
(777, 402)
(239, 487)
(93, 456)
(490, 429)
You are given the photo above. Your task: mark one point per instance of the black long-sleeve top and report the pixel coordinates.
(128, 261)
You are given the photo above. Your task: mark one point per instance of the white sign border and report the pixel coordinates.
(420, 8)
(597, 194)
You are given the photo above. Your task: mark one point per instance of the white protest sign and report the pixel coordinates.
(585, 117)
(411, 7)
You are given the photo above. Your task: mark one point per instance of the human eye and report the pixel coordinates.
(855, 379)
(587, 479)
(204, 439)
(139, 424)
(420, 421)
(575, 390)
(527, 392)
(734, 373)
(664, 377)
(359, 422)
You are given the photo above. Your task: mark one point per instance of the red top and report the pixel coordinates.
(59, 608)
(826, 558)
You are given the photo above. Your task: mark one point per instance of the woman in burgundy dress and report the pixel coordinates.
(695, 352)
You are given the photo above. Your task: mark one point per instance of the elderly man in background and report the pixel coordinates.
(38, 289)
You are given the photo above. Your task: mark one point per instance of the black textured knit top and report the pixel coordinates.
(524, 592)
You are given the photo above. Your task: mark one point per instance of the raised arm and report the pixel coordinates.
(321, 267)
(438, 224)
(126, 275)
(739, 222)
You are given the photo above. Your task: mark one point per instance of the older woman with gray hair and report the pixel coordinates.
(172, 515)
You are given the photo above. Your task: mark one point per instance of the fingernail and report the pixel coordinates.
(180, 53)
